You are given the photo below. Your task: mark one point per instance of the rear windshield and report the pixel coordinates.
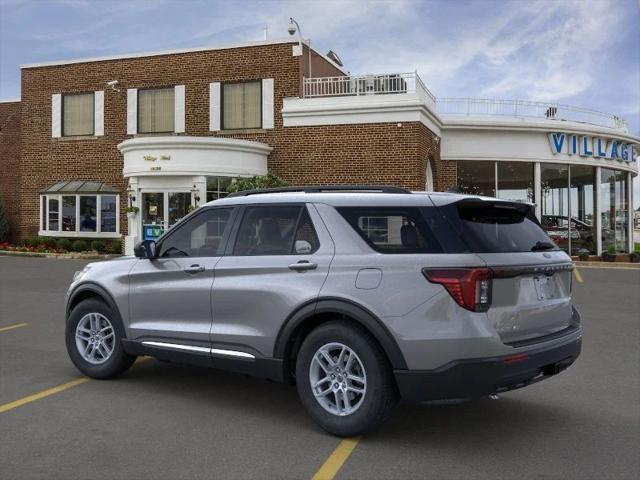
(487, 227)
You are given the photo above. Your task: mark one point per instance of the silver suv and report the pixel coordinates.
(357, 295)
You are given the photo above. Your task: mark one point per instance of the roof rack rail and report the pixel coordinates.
(323, 189)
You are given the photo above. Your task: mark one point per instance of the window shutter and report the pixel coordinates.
(56, 115)
(214, 106)
(267, 103)
(179, 99)
(98, 112)
(132, 111)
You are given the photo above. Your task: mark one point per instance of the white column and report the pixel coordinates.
(537, 189)
(630, 211)
(598, 211)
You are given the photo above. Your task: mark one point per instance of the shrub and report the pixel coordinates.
(259, 181)
(79, 246)
(99, 246)
(583, 255)
(46, 242)
(4, 223)
(116, 247)
(65, 244)
(29, 242)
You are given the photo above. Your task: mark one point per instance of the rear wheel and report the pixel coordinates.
(94, 336)
(344, 379)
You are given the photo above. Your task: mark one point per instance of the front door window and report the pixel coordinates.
(178, 206)
(161, 211)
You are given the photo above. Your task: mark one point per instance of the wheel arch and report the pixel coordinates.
(310, 315)
(90, 290)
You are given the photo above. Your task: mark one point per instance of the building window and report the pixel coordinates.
(156, 110)
(555, 202)
(515, 181)
(217, 187)
(78, 114)
(477, 177)
(582, 201)
(242, 105)
(614, 209)
(75, 215)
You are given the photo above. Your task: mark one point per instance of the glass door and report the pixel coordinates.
(162, 210)
(179, 203)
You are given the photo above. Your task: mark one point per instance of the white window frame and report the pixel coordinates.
(44, 216)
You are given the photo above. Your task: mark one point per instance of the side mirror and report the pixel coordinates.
(145, 249)
(302, 246)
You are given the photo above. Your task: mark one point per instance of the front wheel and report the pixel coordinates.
(344, 379)
(94, 336)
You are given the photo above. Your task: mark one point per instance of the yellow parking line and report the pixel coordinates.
(11, 327)
(578, 276)
(52, 391)
(334, 463)
(45, 393)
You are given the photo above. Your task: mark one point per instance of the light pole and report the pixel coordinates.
(293, 27)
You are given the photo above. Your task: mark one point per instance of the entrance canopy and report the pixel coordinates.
(80, 186)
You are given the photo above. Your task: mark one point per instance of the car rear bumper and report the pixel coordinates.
(474, 378)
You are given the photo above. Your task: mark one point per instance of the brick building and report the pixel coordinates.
(167, 131)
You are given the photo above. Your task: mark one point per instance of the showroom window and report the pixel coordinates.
(242, 105)
(614, 209)
(79, 209)
(78, 114)
(515, 181)
(156, 110)
(477, 177)
(555, 202)
(217, 187)
(582, 204)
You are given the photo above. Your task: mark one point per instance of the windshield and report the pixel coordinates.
(494, 227)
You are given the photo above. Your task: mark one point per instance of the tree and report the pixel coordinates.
(4, 222)
(259, 181)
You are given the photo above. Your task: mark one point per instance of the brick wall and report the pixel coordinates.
(367, 153)
(10, 162)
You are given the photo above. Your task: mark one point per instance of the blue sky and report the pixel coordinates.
(578, 52)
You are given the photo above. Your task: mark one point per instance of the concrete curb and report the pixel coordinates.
(619, 265)
(61, 256)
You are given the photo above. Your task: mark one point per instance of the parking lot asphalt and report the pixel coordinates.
(165, 421)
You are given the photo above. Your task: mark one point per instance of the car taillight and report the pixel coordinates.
(469, 287)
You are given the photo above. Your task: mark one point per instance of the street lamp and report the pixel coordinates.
(293, 28)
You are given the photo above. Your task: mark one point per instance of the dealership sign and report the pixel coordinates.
(589, 146)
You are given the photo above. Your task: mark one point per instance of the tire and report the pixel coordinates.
(101, 366)
(380, 392)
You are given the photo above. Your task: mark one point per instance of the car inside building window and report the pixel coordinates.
(242, 105)
(200, 236)
(276, 230)
(78, 114)
(156, 110)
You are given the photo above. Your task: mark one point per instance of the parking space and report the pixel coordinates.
(161, 420)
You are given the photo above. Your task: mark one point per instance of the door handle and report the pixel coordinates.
(303, 265)
(194, 269)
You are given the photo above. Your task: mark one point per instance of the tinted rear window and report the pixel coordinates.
(487, 227)
(393, 229)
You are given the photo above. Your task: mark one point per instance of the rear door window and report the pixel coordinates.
(392, 229)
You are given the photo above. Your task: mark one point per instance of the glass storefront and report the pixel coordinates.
(477, 178)
(515, 181)
(568, 199)
(614, 210)
(554, 205)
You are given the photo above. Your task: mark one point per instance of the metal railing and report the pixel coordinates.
(480, 107)
(357, 85)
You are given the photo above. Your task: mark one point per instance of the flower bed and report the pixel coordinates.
(46, 245)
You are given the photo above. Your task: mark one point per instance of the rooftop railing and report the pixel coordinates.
(398, 83)
(357, 85)
(480, 107)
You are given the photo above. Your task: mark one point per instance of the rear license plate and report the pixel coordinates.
(545, 287)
